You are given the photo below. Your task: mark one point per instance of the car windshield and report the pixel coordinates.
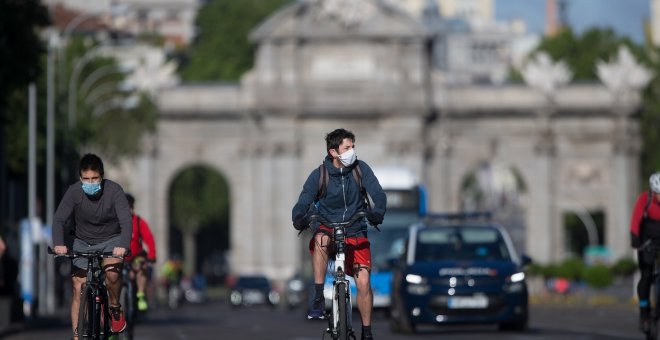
(461, 243)
(252, 282)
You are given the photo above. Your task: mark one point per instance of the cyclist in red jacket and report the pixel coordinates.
(644, 225)
(141, 236)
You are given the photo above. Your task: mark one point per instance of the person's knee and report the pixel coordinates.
(77, 284)
(362, 279)
(112, 272)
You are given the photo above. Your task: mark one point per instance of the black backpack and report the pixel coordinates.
(324, 178)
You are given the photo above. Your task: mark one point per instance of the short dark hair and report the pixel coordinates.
(335, 138)
(131, 200)
(92, 162)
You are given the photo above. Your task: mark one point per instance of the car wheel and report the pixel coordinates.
(400, 323)
(518, 325)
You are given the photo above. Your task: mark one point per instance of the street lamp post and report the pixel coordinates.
(104, 90)
(47, 302)
(102, 72)
(66, 32)
(73, 82)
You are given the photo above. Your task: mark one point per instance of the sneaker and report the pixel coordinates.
(117, 319)
(142, 304)
(317, 312)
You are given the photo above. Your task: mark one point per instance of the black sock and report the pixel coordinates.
(366, 330)
(318, 290)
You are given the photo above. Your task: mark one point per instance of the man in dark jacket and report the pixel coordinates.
(341, 199)
(103, 222)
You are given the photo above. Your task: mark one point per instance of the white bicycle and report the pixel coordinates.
(339, 324)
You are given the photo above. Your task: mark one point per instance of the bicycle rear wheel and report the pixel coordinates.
(85, 313)
(652, 331)
(342, 307)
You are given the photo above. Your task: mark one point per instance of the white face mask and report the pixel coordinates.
(348, 157)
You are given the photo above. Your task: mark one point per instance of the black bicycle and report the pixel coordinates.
(653, 247)
(339, 323)
(94, 313)
(128, 300)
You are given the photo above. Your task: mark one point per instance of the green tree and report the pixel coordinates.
(199, 197)
(20, 45)
(21, 62)
(222, 51)
(582, 52)
(20, 52)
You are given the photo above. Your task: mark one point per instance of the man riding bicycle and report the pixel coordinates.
(140, 259)
(645, 225)
(102, 219)
(343, 197)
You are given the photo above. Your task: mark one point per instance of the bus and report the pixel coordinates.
(406, 202)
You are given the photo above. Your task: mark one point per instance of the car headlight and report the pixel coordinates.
(515, 283)
(236, 298)
(517, 277)
(274, 297)
(417, 285)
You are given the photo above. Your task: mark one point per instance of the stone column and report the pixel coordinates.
(247, 209)
(542, 227)
(545, 236)
(284, 254)
(438, 157)
(625, 79)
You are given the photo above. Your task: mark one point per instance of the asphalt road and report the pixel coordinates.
(217, 320)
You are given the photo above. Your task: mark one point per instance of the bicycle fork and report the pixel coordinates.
(335, 304)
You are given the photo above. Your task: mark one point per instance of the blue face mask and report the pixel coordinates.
(91, 189)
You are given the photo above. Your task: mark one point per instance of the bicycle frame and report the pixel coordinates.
(99, 297)
(339, 325)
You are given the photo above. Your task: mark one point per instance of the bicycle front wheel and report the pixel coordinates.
(85, 313)
(126, 299)
(342, 307)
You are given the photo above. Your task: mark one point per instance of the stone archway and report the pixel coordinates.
(313, 74)
(497, 188)
(199, 218)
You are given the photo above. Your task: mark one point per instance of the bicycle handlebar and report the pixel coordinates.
(88, 254)
(320, 218)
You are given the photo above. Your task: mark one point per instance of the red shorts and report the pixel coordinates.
(358, 250)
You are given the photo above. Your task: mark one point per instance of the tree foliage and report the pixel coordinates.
(582, 52)
(199, 197)
(21, 52)
(20, 45)
(222, 51)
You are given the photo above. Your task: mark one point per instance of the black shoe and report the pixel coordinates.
(317, 312)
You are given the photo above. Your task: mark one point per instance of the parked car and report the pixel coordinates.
(253, 290)
(459, 269)
(296, 292)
